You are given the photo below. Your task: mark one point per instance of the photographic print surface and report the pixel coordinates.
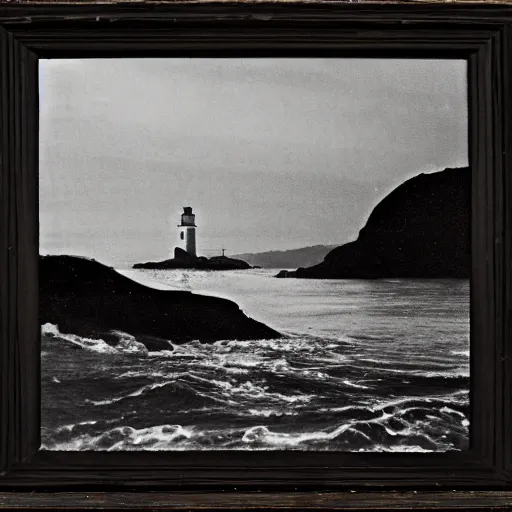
(254, 254)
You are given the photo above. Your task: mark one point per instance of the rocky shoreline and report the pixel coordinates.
(88, 299)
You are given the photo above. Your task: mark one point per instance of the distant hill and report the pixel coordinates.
(293, 258)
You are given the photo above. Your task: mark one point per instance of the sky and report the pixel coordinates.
(272, 154)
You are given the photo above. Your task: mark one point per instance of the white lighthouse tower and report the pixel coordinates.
(187, 231)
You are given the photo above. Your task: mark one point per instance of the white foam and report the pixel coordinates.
(159, 437)
(446, 374)
(262, 434)
(351, 384)
(151, 438)
(260, 437)
(164, 354)
(267, 413)
(127, 344)
(93, 345)
(138, 392)
(460, 352)
(451, 411)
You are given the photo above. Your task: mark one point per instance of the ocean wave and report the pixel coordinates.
(297, 355)
(138, 392)
(387, 432)
(460, 352)
(162, 354)
(249, 391)
(459, 397)
(404, 424)
(125, 344)
(122, 438)
(268, 412)
(461, 372)
(354, 385)
(93, 345)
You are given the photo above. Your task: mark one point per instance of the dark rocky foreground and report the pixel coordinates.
(91, 300)
(420, 230)
(183, 260)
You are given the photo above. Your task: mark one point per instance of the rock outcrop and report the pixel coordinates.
(86, 298)
(184, 260)
(420, 230)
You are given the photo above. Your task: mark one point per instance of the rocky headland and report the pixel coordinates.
(420, 230)
(88, 299)
(184, 260)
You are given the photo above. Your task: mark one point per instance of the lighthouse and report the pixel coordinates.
(187, 231)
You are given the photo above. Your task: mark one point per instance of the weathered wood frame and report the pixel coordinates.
(479, 34)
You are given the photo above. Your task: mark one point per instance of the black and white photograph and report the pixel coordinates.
(254, 254)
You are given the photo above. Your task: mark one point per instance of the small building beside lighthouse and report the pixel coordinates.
(187, 231)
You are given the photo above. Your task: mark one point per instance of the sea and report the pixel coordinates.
(364, 365)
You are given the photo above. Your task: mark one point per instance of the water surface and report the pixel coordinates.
(365, 365)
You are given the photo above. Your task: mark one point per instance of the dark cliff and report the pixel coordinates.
(421, 229)
(87, 298)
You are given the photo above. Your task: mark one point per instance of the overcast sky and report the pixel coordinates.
(270, 153)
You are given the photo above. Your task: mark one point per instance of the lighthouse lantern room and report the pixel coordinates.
(187, 231)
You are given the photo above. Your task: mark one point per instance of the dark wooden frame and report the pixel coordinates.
(480, 34)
